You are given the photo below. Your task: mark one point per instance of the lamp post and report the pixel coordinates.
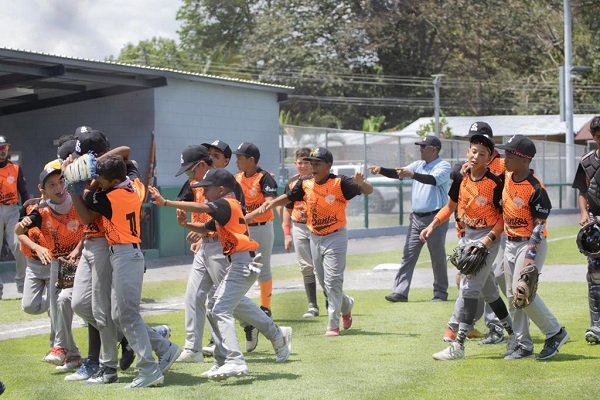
(437, 82)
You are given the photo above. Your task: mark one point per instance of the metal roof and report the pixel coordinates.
(31, 81)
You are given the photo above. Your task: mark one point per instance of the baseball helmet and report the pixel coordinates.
(588, 239)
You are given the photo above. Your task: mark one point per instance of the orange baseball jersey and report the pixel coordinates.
(199, 198)
(326, 202)
(298, 207)
(522, 203)
(255, 189)
(9, 193)
(478, 202)
(62, 231)
(497, 165)
(229, 223)
(34, 233)
(121, 206)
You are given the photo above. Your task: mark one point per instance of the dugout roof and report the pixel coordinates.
(32, 81)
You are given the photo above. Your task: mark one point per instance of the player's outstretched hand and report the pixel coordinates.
(158, 199)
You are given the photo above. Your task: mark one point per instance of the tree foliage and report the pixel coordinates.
(349, 59)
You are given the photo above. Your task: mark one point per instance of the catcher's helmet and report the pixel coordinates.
(588, 239)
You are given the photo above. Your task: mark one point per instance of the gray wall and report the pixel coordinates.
(126, 119)
(193, 112)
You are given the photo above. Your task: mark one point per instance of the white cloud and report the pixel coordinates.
(85, 28)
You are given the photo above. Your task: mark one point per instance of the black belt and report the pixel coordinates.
(252, 255)
(134, 245)
(299, 222)
(258, 223)
(328, 233)
(517, 238)
(425, 214)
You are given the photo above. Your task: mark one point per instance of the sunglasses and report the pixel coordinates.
(4, 147)
(190, 172)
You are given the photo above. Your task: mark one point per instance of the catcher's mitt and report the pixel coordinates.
(83, 169)
(469, 259)
(66, 273)
(526, 286)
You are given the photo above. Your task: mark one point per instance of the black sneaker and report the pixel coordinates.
(494, 336)
(127, 355)
(520, 353)
(553, 344)
(592, 335)
(104, 375)
(251, 338)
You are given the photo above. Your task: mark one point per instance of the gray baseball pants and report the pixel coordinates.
(264, 236)
(301, 238)
(127, 264)
(537, 310)
(229, 302)
(412, 249)
(9, 216)
(36, 291)
(62, 314)
(329, 259)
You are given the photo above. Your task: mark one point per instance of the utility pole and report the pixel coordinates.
(437, 82)
(568, 80)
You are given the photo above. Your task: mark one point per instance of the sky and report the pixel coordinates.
(92, 29)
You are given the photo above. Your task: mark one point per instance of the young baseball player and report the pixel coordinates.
(326, 196)
(234, 278)
(92, 277)
(59, 223)
(526, 207)
(586, 181)
(476, 197)
(12, 186)
(258, 185)
(294, 226)
(119, 201)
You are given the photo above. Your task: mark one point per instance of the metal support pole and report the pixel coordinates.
(569, 137)
(437, 82)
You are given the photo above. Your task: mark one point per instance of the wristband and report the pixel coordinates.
(165, 203)
(286, 230)
(491, 236)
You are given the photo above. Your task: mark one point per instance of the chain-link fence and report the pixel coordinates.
(389, 205)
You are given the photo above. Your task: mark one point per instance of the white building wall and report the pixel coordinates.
(193, 113)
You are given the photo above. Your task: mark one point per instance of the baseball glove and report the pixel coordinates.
(526, 286)
(66, 273)
(83, 169)
(469, 259)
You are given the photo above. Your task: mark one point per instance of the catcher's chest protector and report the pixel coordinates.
(591, 165)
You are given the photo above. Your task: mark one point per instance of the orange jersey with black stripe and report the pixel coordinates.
(522, 203)
(478, 202)
(94, 229)
(62, 231)
(34, 233)
(298, 207)
(122, 222)
(255, 189)
(199, 198)
(229, 223)
(326, 202)
(9, 193)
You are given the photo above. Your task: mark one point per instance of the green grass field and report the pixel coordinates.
(386, 354)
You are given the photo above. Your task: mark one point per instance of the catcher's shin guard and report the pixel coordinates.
(593, 278)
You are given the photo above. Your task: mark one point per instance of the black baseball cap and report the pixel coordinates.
(220, 145)
(430, 140)
(191, 155)
(320, 154)
(218, 177)
(249, 150)
(83, 129)
(53, 167)
(520, 145)
(66, 149)
(92, 141)
(480, 128)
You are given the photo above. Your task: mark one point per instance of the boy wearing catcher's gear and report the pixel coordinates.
(295, 217)
(587, 181)
(119, 203)
(234, 278)
(476, 198)
(526, 206)
(326, 196)
(59, 223)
